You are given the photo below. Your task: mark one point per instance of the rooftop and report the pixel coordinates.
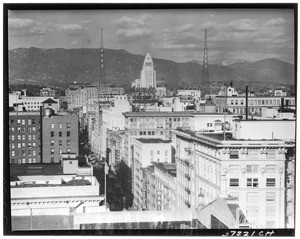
(49, 101)
(166, 114)
(169, 168)
(34, 169)
(153, 141)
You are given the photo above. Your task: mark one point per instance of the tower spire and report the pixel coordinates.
(102, 77)
(205, 73)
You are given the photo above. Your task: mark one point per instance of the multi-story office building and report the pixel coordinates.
(160, 125)
(165, 177)
(60, 135)
(145, 151)
(25, 137)
(113, 117)
(237, 104)
(249, 166)
(29, 103)
(77, 97)
(47, 92)
(189, 93)
(148, 74)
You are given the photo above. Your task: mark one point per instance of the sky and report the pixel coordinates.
(178, 35)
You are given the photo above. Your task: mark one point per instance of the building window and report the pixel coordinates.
(34, 160)
(23, 137)
(234, 182)
(33, 121)
(68, 125)
(19, 129)
(270, 211)
(270, 182)
(60, 134)
(23, 122)
(68, 150)
(271, 168)
(12, 145)
(19, 145)
(52, 143)
(271, 154)
(68, 142)
(270, 224)
(233, 168)
(33, 152)
(252, 211)
(52, 151)
(29, 121)
(234, 154)
(23, 145)
(33, 145)
(52, 133)
(29, 160)
(29, 152)
(157, 151)
(12, 153)
(252, 168)
(12, 129)
(23, 160)
(252, 182)
(29, 145)
(60, 125)
(52, 125)
(252, 197)
(11, 121)
(19, 121)
(68, 133)
(70, 162)
(52, 160)
(60, 143)
(12, 137)
(270, 197)
(60, 151)
(166, 152)
(33, 137)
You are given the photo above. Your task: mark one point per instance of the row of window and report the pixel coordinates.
(252, 169)
(260, 102)
(23, 153)
(60, 133)
(162, 119)
(23, 145)
(23, 121)
(252, 182)
(60, 142)
(158, 152)
(52, 151)
(23, 160)
(23, 137)
(254, 197)
(23, 129)
(60, 125)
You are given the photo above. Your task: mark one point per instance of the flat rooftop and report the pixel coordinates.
(166, 114)
(153, 141)
(169, 168)
(34, 169)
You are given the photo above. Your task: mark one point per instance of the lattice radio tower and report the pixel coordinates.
(102, 77)
(205, 73)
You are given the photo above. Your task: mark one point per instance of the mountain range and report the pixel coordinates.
(62, 66)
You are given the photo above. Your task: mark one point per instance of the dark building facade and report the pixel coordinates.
(60, 135)
(25, 137)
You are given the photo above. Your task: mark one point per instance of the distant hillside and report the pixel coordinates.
(58, 65)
